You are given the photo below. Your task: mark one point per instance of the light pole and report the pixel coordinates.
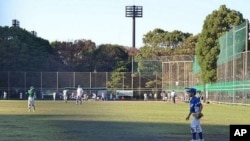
(134, 12)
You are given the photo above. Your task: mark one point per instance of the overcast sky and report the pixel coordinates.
(104, 21)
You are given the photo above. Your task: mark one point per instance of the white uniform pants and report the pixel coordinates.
(31, 101)
(195, 126)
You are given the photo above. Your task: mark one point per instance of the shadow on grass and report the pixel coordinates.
(57, 127)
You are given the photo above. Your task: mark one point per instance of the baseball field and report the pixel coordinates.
(114, 121)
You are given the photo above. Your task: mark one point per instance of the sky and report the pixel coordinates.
(104, 21)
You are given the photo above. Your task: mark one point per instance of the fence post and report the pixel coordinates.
(8, 94)
(74, 79)
(41, 83)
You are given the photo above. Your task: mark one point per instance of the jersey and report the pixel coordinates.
(195, 105)
(31, 93)
(173, 94)
(79, 92)
(64, 93)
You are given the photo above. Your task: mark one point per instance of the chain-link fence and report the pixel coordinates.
(153, 76)
(233, 68)
(232, 85)
(177, 74)
(15, 83)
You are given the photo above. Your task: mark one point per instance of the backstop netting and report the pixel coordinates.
(233, 68)
(177, 73)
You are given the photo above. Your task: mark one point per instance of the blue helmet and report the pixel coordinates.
(191, 90)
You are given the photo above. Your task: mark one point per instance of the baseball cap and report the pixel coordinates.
(191, 90)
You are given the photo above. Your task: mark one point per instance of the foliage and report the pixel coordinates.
(24, 51)
(116, 80)
(207, 49)
(159, 37)
(77, 55)
(187, 47)
(20, 50)
(163, 43)
(112, 58)
(160, 43)
(108, 57)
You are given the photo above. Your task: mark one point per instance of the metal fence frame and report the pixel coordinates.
(15, 82)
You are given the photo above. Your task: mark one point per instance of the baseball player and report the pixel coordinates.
(65, 96)
(196, 111)
(79, 93)
(31, 99)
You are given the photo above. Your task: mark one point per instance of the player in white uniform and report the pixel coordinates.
(195, 109)
(31, 99)
(65, 96)
(79, 93)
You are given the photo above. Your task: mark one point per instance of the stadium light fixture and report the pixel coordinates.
(133, 12)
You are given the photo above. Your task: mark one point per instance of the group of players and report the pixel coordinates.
(31, 97)
(195, 108)
(79, 95)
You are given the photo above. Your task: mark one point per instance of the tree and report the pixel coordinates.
(22, 51)
(160, 38)
(108, 57)
(160, 43)
(154, 38)
(187, 47)
(207, 49)
(163, 43)
(77, 55)
(122, 64)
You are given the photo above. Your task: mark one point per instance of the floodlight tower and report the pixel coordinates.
(134, 12)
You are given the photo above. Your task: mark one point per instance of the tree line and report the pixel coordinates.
(22, 51)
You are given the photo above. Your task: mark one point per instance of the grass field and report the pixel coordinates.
(113, 121)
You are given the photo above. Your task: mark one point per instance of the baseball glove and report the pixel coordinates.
(198, 115)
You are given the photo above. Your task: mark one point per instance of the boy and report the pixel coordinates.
(195, 110)
(31, 99)
(79, 93)
(65, 96)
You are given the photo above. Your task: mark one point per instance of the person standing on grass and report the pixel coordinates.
(31, 99)
(65, 97)
(103, 96)
(145, 97)
(163, 95)
(79, 93)
(20, 95)
(173, 95)
(54, 96)
(195, 109)
(4, 95)
(155, 96)
(111, 96)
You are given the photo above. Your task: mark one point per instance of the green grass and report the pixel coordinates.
(113, 121)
